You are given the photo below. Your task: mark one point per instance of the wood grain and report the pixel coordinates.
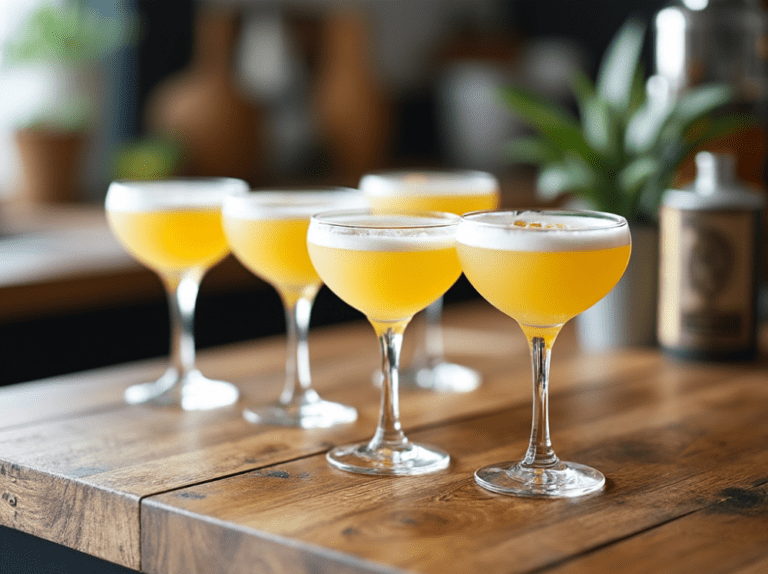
(76, 433)
(737, 521)
(69, 512)
(167, 491)
(663, 461)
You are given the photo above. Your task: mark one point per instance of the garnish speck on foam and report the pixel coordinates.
(539, 225)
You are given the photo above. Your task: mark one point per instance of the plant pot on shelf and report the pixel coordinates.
(627, 315)
(51, 164)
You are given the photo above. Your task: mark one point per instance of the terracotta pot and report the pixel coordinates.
(202, 107)
(51, 165)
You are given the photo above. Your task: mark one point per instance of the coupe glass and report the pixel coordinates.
(173, 226)
(542, 268)
(389, 267)
(453, 191)
(267, 231)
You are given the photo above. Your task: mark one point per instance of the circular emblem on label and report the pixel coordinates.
(711, 262)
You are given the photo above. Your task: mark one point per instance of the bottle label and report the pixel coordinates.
(707, 280)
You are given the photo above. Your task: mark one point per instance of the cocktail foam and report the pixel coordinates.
(155, 195)
(542, 231)
(428, 183)
(374, 232)
(289, 204)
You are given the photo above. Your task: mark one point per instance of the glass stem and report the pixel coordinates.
(182, 295)
(389, 433)
(298, 379)
(540, 453)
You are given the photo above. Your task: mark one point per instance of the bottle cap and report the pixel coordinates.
(715, 187)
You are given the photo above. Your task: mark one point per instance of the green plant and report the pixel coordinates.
(68, 33)
(621, 153)
(148, 158)
(68, 38)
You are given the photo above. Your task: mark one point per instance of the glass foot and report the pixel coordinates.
(307, 415)
(408, 459)
(193, 392)
(442, 377)
(567, 479)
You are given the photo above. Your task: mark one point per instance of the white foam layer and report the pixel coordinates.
(497, 230)
(170, 193)
(289, 204)
(429, 183)
(383, 233)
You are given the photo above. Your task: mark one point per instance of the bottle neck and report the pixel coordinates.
(714, 171)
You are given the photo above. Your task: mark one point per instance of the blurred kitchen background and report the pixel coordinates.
(276, 92)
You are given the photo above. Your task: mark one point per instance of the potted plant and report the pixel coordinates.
(57, 51)
(619, 155)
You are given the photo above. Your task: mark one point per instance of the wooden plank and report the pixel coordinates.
(475, 333)
(70, 512)
(72, 441)
(729, 535)
(669, 441)
(78, 437)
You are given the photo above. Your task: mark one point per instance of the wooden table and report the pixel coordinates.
(684, 447)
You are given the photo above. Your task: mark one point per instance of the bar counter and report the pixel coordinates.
(683, 445)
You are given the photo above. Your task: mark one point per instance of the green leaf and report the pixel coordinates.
(66, 33)
(534, 150)
(656, 126)
(636, 173)
(570, 175)
(600, 129)
(633, 180)
(637, 93)
(617, 69)
(700, 101)
(556, 124)
(582, 88)
(708, 129)
(645, 126)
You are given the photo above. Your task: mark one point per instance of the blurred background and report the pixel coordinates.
(275, 92)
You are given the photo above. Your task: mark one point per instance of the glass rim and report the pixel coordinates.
(396, 181)
(170, 193)
(618, 220)
(275, 193)
(439, 219)
(428, 171)
(161, 182)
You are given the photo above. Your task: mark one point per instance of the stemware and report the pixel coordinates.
(173, 226)
(542, 268)
(388, 267)
(267, 231)
(453, 191)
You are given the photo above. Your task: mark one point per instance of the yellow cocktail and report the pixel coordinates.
(275, 250)
(171, 240)
(174, 227)
(542, 268)
(457, 203)
(419, 191)
(453, 191)
(267, 231)
(388, 285)
(543, 288)
(388, 267)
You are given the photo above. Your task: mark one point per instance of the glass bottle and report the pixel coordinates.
(709, 253)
